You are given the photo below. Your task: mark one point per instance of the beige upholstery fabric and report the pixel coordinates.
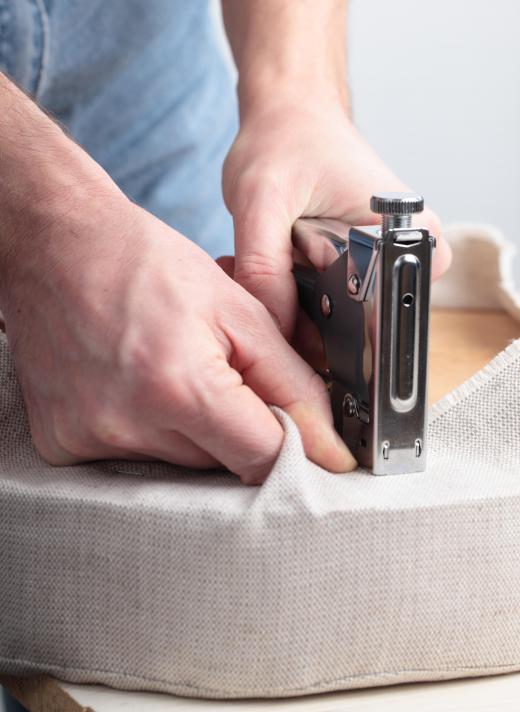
(146, 576)
(481, 275)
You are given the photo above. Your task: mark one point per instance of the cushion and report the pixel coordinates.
(145, 576)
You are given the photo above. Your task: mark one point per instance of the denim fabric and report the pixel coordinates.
(142, 86)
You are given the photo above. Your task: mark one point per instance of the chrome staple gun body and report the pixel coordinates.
(368, 291)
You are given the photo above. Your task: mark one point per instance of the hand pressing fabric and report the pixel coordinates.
(129, 340)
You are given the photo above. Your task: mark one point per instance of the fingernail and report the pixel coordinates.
(331, 451)
(345, 461)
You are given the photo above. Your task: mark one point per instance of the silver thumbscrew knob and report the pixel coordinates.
(396, 208)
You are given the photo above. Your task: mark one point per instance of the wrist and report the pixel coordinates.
(40, 200)
(265, 92)
(48, 233)
(290, 102)
(35, 192)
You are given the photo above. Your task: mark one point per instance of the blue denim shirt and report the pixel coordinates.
(142, 86)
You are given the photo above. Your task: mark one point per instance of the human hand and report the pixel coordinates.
(130, 342)
(300, 157)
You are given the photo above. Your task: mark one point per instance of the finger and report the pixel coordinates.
(263, 252)
(155, 445)
(442, 254)
(177, 449)
(275, 372)
(234, 425)
(144, 437)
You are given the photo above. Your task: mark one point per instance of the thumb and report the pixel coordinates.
(263, 253)
(442, 254)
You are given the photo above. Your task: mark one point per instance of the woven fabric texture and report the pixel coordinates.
(146, 576)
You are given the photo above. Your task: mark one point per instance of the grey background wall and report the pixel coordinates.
(436, 89)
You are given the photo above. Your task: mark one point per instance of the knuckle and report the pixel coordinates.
(257, 266)
(164, 381)
(213, 387)
(257, 189)
(316, 388)
(253, 312)
(173, 391)
(174, 384)
(111, 430)
(264, 326)
(136, 359)
(158, 378)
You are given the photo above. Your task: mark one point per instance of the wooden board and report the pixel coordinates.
(461, 343)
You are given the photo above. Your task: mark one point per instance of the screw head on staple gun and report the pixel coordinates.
(396, 203)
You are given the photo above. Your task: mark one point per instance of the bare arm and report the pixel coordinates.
(294, 47)
(42, 172)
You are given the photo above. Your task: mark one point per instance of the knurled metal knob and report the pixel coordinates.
(396, 203)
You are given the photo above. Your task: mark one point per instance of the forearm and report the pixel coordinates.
(41, 171)
(291, 48)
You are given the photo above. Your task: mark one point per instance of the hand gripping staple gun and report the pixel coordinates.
(368, 290)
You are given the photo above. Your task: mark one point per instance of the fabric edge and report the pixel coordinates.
(508, 294)
(491, 369)
(135, 683)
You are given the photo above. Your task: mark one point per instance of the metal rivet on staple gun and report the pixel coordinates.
(326, 306)
(350, 406)
(353, 284)
(386, 449)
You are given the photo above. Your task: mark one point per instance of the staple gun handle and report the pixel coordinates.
(317, 245)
